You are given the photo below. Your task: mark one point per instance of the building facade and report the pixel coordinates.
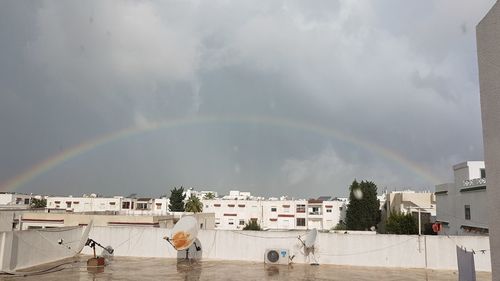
(117, 204)
(233, 214)
(461, 205)
(409, 202)
(488, 52)
(15, 200)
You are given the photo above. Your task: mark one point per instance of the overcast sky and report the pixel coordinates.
(392, 76)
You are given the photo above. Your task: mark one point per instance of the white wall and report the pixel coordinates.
(22, 249)
(15, 199)
(488, 50)
(436, 252)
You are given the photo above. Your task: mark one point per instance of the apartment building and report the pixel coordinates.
(231, 212)
(15, 200)
(322, 213)
(409, 202)
(116, 204)
(462, 205)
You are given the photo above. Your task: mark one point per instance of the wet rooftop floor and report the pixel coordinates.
(172, 269)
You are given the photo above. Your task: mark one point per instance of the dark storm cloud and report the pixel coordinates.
(399, 75)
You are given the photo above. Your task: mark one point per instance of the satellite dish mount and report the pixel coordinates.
(184, 235)
(308, 245)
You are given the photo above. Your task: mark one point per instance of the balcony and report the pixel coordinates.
(473, 185)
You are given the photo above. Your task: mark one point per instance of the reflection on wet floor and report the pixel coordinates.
(171, 269)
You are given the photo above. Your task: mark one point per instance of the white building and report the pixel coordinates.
(200, 194)
(275, 214)
(117, 205)
(462, 205)
(488, 53)
(231, 212)
(15, 200)
(410, 202)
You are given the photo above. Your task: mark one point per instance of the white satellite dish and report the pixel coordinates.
(308, 245)
(184, 233)
(311, 238)
(85, 236)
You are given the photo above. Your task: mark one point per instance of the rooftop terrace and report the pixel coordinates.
(170, 269)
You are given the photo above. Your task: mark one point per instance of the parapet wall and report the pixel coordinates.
(24, 249)
(405, 251)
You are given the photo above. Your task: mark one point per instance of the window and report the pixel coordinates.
(467, 212)
(315, 211)
(142, 206)
(112, 203)
(328, 210)
(26, 201)
(242, 222)
(286, 209)
(231, 222)
(158, 206)
(68, 204)
(273, 209)
(301, 208)
(483, 173)
(301, 222)
(126, 205)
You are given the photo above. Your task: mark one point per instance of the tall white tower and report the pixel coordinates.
(488, 51)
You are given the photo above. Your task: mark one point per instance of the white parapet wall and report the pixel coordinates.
(404, 251)
(28, 248)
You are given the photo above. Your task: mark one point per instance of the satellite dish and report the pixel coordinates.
(85, 236)
(308, 245)
(184, 233)
(311, 238)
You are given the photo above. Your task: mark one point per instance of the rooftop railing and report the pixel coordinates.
(474, 182)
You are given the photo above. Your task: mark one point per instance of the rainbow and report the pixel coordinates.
(89, 145)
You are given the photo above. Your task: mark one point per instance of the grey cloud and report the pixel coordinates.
(402, 76)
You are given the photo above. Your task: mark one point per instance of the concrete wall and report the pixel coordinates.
(23, 249)
(488, 50)
(408, 251)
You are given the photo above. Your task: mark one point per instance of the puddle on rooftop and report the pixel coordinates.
(171, 269)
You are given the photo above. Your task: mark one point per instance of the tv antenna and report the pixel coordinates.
(184, 235)
(97, 261)
(307, 242)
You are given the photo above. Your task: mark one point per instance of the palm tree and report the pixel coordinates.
(194, 205)
(209, 196)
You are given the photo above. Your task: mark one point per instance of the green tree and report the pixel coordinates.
(252, 225)
(398, 223)
(194, 205)
(176, 199)
(38, 203)
(340, 226)
(363, 210)
(209, 196)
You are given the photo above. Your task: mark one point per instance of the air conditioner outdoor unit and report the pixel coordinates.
(277, 256)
